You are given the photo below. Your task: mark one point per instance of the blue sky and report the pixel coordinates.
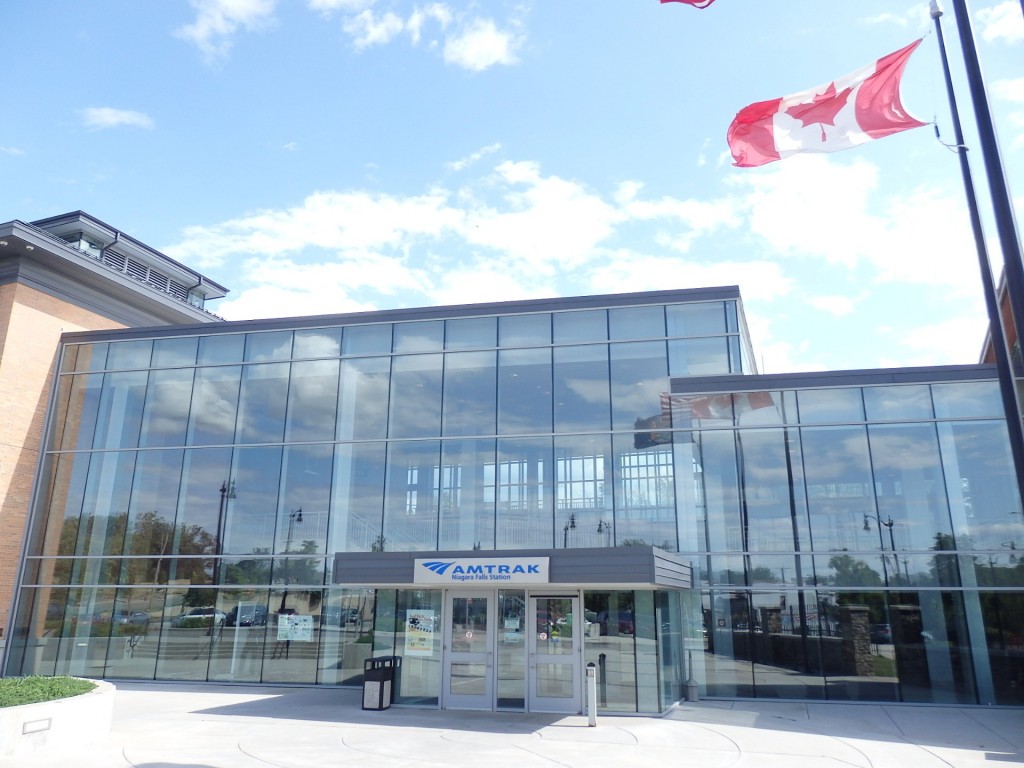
(322, 156)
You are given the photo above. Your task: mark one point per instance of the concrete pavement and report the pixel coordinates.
(202, 726)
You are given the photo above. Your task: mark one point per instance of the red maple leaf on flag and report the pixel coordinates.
(822, 109)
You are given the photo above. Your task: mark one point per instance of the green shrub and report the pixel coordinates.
(15, 691)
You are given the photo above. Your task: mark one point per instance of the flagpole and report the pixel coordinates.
(1002, 205)
(1007, 384)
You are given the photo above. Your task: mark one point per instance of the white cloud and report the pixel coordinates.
(367, 29)
(942, 343)
(217, 21)
(1002, 22)
(328, 6)
(481, 45)
(440, 13)
(12, 151)
(99, 118)
(462, 164)
(1011, 90)
(835, 305)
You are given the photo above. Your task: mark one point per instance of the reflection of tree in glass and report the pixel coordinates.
(851, 572)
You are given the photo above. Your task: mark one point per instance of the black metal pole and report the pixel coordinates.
(1000, 348)
(1002, 202)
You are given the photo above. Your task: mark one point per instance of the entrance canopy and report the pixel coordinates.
(601, 567)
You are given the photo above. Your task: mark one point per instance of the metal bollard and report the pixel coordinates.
(591, 695)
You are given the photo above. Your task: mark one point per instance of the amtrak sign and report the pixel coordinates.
(480, 571)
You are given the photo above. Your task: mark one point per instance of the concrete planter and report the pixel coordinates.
(77, 720)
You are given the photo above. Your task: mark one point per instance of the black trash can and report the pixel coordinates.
(379, 681)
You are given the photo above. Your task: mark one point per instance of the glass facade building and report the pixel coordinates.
(260, 502)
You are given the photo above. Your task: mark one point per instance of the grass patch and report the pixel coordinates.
(15, 691)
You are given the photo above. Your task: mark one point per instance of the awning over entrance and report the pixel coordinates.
(601, 567)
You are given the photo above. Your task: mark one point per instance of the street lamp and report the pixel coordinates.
(888, 523)
(227, 492)
(295, 516)
(569, 526)
(605, 528)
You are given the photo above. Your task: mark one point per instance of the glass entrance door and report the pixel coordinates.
(469, 642)
(555, 650)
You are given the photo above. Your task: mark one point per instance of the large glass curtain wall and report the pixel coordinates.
(201, 481)
(855, 544)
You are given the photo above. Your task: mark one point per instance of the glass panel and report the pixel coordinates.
(784, 642)
(120, 410)
(582, 497)
(511, 657)
(222, 348)
(698, 357)
(524, 494)
(858, 657)
(754, 409)
(825, 405)
(909, 486)
(524, 330)
(411, 500)
(645, 499)
(363, 405)
(468, 679)
(555, 627)
(1002, 617)
(639, 374)
(839, 487)
(471, 333)
(467, 495)
(469, 625)
(581, 394)
(245, 642)
(214, 405)
(715, 459)
(84, 357)
(903, 403)
(366, 340)
(62, 490)
(609, 620)
(415, 396)
(426, 336)
(586, 325)
(980, 484)
(262, 403)
(554, 681)
(357, 498)
(306, 487)
(345, 639)
(105, 504)
(418, 641)
(469, 393)
(524, 391)
(168, 401)
(317, 342)
(205, 473)
(636, 323)
(312, 401)
(129, 354)
(77, 404)
(151, 527)
(701, 319)
(268, 346)
(972, 399)
(250, 508)
(727, 662)
(169, 353)
(766, 480)
(134, 629)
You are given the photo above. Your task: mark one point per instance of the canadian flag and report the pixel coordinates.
(849, 111)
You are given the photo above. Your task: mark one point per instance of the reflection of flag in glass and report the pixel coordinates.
(678, 409)
(651, 431)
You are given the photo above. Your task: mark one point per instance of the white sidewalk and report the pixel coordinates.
(203, 726)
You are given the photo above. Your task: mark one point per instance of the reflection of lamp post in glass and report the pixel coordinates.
(569, 526)
(227, 491)
(295, 516)
(605, 528)
(892, 541)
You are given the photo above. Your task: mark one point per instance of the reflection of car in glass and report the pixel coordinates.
(200, 617)
(335, 616)
(881, 633)
(617, 622)
(249, 616)
(128, 618)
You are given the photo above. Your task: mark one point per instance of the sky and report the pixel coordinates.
(330, 156)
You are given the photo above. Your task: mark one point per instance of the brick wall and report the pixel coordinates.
(31, 323)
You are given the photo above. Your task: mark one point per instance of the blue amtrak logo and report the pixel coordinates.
(438, 566)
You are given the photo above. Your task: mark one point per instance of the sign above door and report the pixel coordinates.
(481, 571)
